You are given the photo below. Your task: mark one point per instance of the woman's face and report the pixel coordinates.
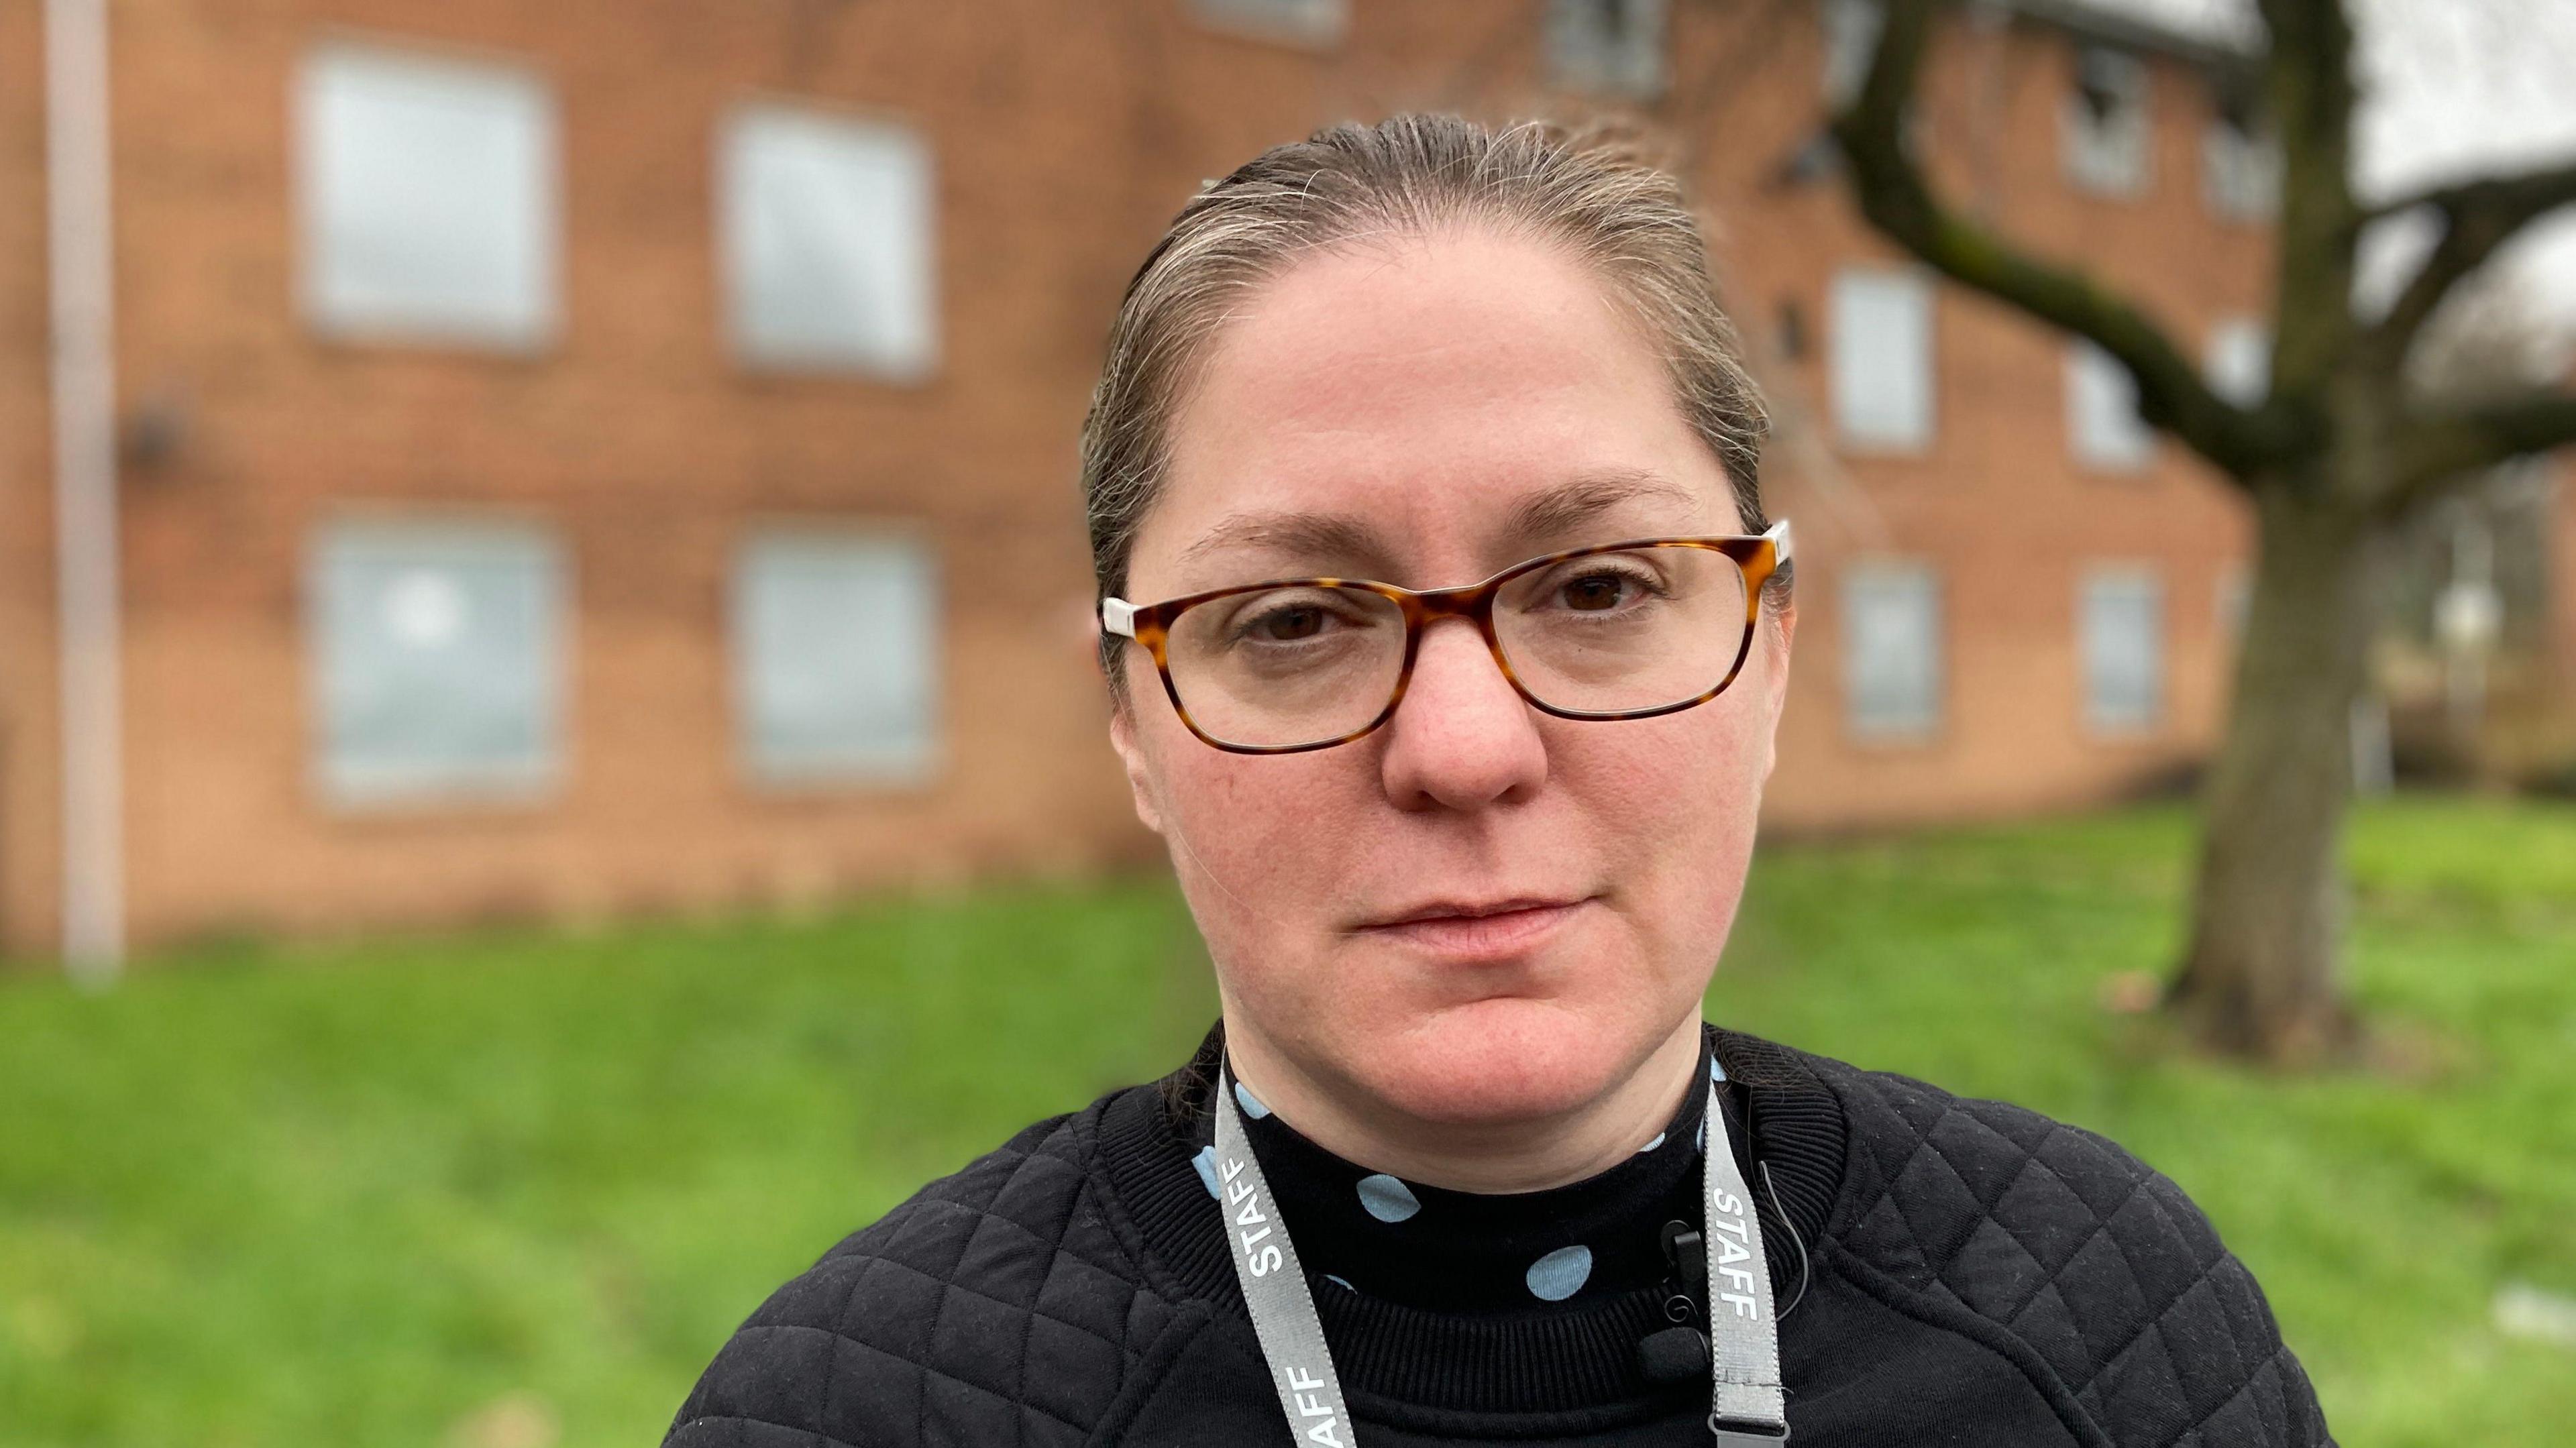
(1477, 913)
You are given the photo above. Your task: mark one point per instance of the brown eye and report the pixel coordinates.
(1288, 625)
(1594, 592)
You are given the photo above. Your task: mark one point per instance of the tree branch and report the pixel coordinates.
(2440, 449)
(1894, 194)
(2477, 218)
(2548, 187)
(2308, 97)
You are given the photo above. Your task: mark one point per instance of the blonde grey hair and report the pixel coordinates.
(1409, 174)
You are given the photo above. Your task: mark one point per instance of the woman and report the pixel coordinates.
(1465, 860)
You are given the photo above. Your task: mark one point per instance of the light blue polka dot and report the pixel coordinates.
(1205, 1161)
(1339, 1282)
(1650, 1146)
(1716, 1072)
(1560, 1274)
(1387, 1199)
(1252, 1106)
(1700, 1143)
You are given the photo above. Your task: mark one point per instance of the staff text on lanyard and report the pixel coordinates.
(1747, 1404)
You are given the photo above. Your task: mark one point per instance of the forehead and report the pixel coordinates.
(1424, 389)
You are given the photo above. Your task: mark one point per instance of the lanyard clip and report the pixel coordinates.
(1684, 1250)
(1744, 1435)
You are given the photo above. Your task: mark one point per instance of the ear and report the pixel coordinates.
(1140, 780)
(1775, 681)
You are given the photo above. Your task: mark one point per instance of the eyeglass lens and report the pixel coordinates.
(1621, 632)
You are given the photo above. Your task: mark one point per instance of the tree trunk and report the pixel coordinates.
(2261, 979)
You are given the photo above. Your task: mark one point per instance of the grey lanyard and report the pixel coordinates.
(1747, 1408)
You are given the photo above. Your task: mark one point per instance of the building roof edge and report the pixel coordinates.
(2235, 49)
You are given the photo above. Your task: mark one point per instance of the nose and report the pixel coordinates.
(1463, 738)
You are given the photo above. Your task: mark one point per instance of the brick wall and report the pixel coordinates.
(1063, 136)
(635, 439)
(29, 783)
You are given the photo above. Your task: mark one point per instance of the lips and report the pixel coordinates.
(1460, 910)
(1474, 932)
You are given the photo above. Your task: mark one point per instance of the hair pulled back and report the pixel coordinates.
(1597, 199)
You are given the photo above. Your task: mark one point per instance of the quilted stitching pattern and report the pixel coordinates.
(2097, 1262)
(997, 1306)
(994, 1308)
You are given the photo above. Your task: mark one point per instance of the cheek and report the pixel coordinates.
(1260, 846)
(1674, 802)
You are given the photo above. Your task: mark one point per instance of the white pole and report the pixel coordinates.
(84, 383)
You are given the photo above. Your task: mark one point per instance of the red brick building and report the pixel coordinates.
(595, 457)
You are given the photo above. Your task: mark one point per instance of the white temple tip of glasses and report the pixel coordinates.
(1778, 533)
(1118, 616)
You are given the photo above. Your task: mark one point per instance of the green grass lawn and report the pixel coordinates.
(360, 1195)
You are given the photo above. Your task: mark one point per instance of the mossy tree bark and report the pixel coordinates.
(2260, 978)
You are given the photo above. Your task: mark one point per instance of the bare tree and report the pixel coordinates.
(2341, 450)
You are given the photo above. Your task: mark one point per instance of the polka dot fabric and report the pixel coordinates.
(1387, 1199)
(1408, 1242)
(1560, 1274)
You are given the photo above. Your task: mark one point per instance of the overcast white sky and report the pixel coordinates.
(2455, 88)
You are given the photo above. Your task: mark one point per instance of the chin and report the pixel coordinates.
(1509, 1059)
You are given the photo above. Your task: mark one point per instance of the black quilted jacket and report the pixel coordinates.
(1977, 1274)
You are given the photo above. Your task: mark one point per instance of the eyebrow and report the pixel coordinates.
(1324, 535)
(1567, 506)
(1549, 515)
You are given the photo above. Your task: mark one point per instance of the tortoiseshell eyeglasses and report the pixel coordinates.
(1619, 631)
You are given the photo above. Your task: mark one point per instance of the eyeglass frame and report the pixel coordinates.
(1758, 557)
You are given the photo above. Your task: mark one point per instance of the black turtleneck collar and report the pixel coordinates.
(1452, 1251)
(1428, 1347)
